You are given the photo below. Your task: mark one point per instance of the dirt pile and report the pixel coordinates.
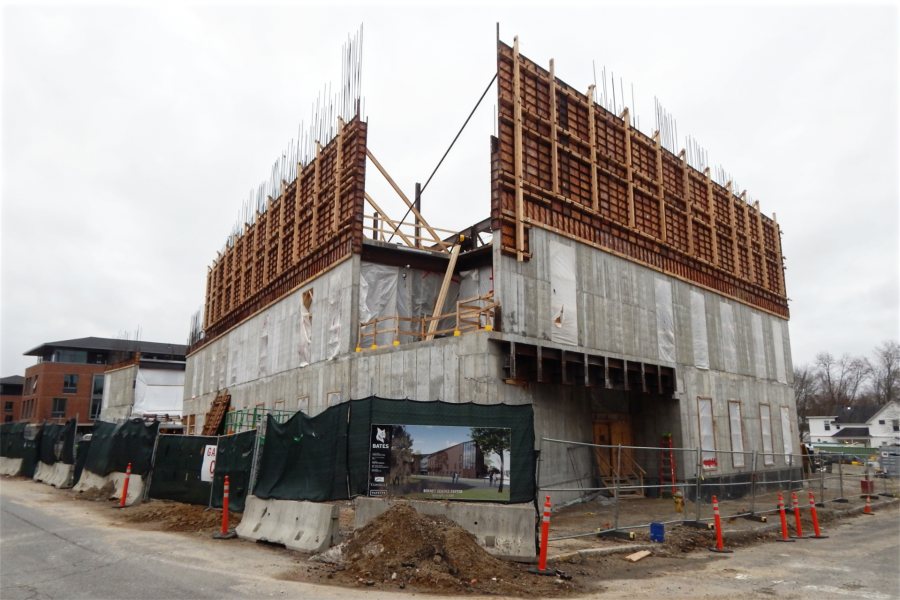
(163, 515)
(101, 493)
(405, 548)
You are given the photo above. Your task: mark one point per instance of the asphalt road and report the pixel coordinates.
(52, 546)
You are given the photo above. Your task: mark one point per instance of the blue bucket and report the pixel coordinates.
(657, 532)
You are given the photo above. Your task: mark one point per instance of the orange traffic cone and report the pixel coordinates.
(868, 509)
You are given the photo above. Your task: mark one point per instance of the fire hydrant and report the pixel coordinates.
(678, 497)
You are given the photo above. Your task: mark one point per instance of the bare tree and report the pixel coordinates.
(840, 380)
(884, 372)
(806, 390)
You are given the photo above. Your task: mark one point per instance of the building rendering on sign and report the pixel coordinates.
(609, 283)
(69, 378)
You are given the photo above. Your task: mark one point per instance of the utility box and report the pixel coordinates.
(889, 459)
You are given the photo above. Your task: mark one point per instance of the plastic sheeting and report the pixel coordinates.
(707, 434)
(378, 297)
(759, 350)
(787, 433)
(665, 320)
(698, 330)
(737, 434)
(563, 295)
(304, 328)
(728, 337)
(765, 425)
(158, 391)
(778, 342)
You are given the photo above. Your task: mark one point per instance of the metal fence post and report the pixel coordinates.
(822, 484)
(840, 497)
(540, 459)
(618, 470)
(698, 475)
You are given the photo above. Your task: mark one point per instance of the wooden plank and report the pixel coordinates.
(317, 179)
(764, 279)
(338, 163)
(749, 240)
(389, 221)
(592, 123)
(626, 117)
(442, 295)
(638, 555)
(711, 209)
(554, 134)
(517, 158)
(732, 220)
(686, 192)
(782, 288)
(660, 189)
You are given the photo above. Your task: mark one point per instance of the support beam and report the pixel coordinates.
(554, 134)
(317, 186)
(660, 189)
(517, 153)
(711, 209)
(762, 247)
(410, 205)
(688, 205)
(732, 221)
(338, 164)
(592, 124)
(389, 221)
(632, 221)
(442, 296)
(748, 237)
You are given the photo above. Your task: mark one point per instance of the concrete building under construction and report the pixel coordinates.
(609, 283)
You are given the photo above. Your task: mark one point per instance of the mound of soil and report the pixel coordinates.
(101, 493)
(404, 548)
(164, 515)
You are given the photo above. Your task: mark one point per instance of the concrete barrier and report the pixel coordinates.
(58, 474)
(90, 481)
(505, 530)
(299, 525)
(10, 466)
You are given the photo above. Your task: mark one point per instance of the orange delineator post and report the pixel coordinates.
(545, 535)
(125, 486)
(785, 537)
(796, 504)
(720, 543)
(225, 508)
(815, 518)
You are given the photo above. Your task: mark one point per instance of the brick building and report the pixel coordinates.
(11, 397)
(68, 379)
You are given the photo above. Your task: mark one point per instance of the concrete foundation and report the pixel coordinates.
(302, 526)
(505, 530)
(10, 466)
(58, 474)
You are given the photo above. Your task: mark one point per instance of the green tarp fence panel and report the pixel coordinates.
(234, 457)
(176, 469)
(81, 452)
(21, 440)
(58, 443)
(114, 445)
(326, 457)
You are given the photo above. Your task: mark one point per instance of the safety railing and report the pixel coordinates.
(246, 419)
(472, 314)
(746, 484)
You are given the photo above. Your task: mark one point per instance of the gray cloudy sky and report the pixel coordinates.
(131, 136)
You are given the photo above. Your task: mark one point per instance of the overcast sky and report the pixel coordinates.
(131, 136)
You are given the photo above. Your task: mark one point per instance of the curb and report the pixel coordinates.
(628, 548)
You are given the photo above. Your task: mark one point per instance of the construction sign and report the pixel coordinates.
(209, 463)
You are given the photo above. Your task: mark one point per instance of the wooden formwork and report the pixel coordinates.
(315, 223)
(566, 164)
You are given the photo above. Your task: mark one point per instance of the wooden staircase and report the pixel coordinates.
(631, 475)
(216, 413)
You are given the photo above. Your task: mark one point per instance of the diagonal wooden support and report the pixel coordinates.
(412, 208)
(389, 221)
(439, 305)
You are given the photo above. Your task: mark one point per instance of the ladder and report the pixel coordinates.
(216, 413)
(667, 463)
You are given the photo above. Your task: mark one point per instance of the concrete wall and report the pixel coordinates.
(118, 393)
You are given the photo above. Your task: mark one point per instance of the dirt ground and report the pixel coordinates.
(405, 552)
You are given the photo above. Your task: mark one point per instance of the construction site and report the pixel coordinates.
(611, 284)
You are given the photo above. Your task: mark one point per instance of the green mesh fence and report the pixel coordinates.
(114, 445)
(177, 469)
(234, 457)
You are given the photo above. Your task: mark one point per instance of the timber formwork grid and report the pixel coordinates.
(564, 163)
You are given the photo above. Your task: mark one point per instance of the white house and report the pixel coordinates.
(868, 426)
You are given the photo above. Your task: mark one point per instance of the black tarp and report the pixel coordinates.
(81, 452)
(114, 446)
(12, 439)
(176, 469)
(21, 440)
(58, 443)
(234, 457)
(326, 457)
